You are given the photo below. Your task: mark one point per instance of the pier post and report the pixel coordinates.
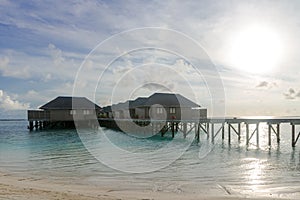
(269, 134)
(212, 132)
(223, 132)
(184, 129)
(278, 133)
(172, 127)
(247, 134)
(153, 128)
(207, 128)
(293, 135)
(30, 125)
(40, 124)
(36, 125)
(229, 133)
(257, 134)
(239, 132)
(198, 132)
(272, 129)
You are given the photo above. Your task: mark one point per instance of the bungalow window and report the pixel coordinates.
(172, 110)
(86, 112)
(117, 114)
(72, 112)
(159, 110)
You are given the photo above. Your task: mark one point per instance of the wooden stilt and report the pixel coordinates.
(184, 129)
(172, 127)
(272, 129)
(229, 133)
(30, 125)
(203, 127)
(198, 132)
(269, 135)
(223, 132)
(235, 130)
(293, 135)
(153, 128)
(207, 129)
(212, 132)
(247, 134)
(239, 132)
(257, 134)
(278, 133)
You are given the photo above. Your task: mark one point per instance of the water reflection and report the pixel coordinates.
(254, 171)
(295, 160)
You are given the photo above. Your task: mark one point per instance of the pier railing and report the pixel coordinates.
(208, 126)
(212, 127)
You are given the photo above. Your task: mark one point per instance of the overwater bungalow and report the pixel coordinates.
(157, 106)
(173, 112)
(161, 111)
(60, 112)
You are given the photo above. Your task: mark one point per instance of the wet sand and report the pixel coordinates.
(18, 188)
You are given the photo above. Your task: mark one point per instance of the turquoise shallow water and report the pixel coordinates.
(59, 155)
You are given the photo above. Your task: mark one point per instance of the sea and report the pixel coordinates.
(66, 155)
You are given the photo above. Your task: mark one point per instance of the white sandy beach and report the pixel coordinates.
(18, 188)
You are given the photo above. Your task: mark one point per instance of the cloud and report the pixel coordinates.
(262, 84)
(4, 62)
(291, 91)
(292, 94)
(56, 54)
(266, 85)
(167, 86)
(49, 64)
(7, 103)
(56, 37)
(11, 71)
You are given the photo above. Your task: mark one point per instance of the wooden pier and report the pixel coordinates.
(134, 117)
(212, 127)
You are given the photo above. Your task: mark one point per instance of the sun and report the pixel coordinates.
(256, 49)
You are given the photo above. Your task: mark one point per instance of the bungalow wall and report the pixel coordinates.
(107, 115)
(60, 115)
(159, 112)
(142, 113)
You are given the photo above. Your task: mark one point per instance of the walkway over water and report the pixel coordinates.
(209, 127)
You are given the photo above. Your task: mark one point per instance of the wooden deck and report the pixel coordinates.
(212, 127)
(233, 125)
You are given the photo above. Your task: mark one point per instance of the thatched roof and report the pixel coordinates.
(69, 103)
(138, 102)
(107, 109)
(164, 99)
(170, 100)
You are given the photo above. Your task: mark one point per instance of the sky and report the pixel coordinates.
(246, 58)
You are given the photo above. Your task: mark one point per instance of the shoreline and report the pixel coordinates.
(21, 188)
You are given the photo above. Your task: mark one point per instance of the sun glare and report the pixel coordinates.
(256, 49)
